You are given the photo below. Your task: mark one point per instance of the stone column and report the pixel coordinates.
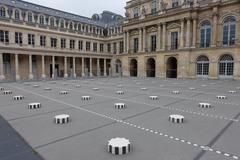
(215, 30)
(90, 67)
(43, 67)
(194, 33)
(105, 67)
(128, 42)
(140, 40)
(53, 67)
(182, 34)
(65, 68)
(2, 77)
(83, 67)
(164, 36)
(98, 67)
(188, 34)
(30, 67)
(159, 38)
(74, 67)
(17, 67)
(144, 40)
(125, 42)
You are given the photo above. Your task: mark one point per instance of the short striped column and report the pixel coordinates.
(34, 105)
(18, 98)
(205, 105)
(120, 92)
(119, 105)
(221, 97)
(86, 98)
(62, 119)
(232, 92)
(63, 92)
(1, 88)
(153, 97)
(175, 92)
(176, 118)
(119, 146)
(47, 89)
(7, 92)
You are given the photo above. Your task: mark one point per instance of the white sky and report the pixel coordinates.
(84, 7)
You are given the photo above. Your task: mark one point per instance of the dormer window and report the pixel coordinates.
(2, 12)
(71, 26)
(62, 24)
(175, 3)
(135, 12)
(52, 24)
(30, 17)
(154, 7)
(17, 15)
(41, 20)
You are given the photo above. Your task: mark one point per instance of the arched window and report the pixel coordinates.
(202, 66)
(2, 12)
(30, 17)
(41, 20)
(52, 22)
(205, 34)
(226, 66)
(229, 30)
(62, 24)
(17, 15)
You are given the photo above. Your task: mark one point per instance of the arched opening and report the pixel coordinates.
(226, 66)
(171, 67)
(118, 67)
(133, 68)
(202, 67)
(151, 65)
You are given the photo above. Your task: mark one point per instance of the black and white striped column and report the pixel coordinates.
(18, 98)
(119, 146)
(62, 119)
(176, 118)
(86, 98)
(34, 105)
(119, 105)
(205, 105)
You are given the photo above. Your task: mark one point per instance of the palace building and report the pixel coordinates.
(156, 38)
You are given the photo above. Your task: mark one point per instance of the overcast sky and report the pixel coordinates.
(84, 7)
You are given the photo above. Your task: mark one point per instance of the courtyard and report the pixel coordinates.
(206, 133)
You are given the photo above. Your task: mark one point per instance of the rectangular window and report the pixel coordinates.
(153, 43)
(80, 45)
(72, 44)
(174, 40)
(121, 47)
(101, 47)
(54, 42)
(63, 43)
(4, 36)
(114, 48)
(18, 38)
(88, 46)
(154, 7)
(135, 45)
(43, 41)
(95, 46)
(135, 12)
(174, 3)
(109, 48)
(31, 39)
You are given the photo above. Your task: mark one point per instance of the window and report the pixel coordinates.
(153, 43)
(226, 66)
(174, 3)
(205, 34)
(154, 7)
(18, 38)
(229, 31)
(109, 48)
(54, 42)
(4, 36)
(135, 12)
(71, 26)
(95, 45)
(2, 12)
(52, 22)
(63, 43)
(41, 20)
(88, 46)
(43, 41)
(121, 47)
(30, 17)
(114, 48)
(101, 47)
(72, 44)
(174, 40)
(80, 45)
(17, 15)
(135, 45)
(31, 39)
(202, 66)
(62, 24)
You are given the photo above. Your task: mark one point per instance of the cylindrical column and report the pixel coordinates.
(144, 40)
(65, 68)
(74, 67)
(194, 32)
(17, 67)
(159, 38)
(182, 34)
(98, 67)
(2, 77)
(30, 67)
(83, 65)
(53, 67)
(214, 39)
(91, 73)
(164, 36)
(105, 67)
(127, 41)
(140, 40)
(43, 67)
(188, 33)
